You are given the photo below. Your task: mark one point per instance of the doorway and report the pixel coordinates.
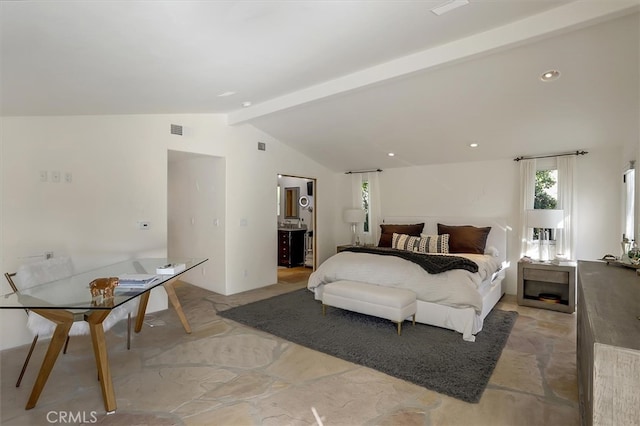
(296, 222)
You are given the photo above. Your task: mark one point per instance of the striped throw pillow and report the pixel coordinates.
(423, 244)
(435, 243)
(407, 242)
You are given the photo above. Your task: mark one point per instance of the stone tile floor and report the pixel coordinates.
(228, 374)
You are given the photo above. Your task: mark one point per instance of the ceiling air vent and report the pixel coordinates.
(176, 129)
(262, 146)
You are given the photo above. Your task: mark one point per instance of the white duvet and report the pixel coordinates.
(457, 288)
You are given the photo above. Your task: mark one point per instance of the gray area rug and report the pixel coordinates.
(432, 357)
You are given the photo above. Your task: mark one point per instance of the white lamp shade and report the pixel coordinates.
(354, 215)
(545, 218)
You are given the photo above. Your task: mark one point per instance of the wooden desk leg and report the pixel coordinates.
(142, 309)
(95, 319)
(64, 320)
(144, 299)
(168, 286)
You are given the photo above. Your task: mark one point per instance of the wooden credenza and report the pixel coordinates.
(291, 247)
(608, 350)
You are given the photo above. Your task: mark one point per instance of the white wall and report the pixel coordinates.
(599, 203)
(94, 218)
(491, 189)
(119, 176)
(196, 216)
(252, 179)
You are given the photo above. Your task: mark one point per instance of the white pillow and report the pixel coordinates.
(492, 251)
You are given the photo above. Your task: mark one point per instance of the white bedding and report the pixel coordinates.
(457, 288)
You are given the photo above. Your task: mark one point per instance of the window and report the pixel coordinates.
(629, 182)
(546, 197)
(365, 204)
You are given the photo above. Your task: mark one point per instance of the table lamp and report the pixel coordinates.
(544, 219)
(354, 217)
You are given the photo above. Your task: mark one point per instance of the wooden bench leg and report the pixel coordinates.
(324, 309)
(399, 328)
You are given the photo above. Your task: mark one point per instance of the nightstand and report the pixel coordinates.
(547, 285)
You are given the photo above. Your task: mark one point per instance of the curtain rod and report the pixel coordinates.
(550, 156)
(350, 172)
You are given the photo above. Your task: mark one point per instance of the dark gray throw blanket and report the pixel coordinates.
(433, 264)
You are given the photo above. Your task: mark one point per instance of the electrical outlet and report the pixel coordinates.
(55, 176)
(44, 176)
(68, 177)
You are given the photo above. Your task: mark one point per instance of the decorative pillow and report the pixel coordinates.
(386, 232)
(406, 242)
(492, 251)
(436, 243)
(423, 244)
(466, 238)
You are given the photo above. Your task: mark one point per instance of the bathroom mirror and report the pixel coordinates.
(291, 195)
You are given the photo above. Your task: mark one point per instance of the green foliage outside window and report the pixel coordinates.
(545, 180)
(365, 204)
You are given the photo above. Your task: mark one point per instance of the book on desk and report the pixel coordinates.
(126, 281)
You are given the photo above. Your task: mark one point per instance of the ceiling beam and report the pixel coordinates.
(552, 22)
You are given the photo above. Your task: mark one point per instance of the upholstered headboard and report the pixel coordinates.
(497, 236)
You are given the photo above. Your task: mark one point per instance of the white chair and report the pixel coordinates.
(41, 272)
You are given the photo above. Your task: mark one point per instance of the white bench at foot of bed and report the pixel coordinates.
(394, 304)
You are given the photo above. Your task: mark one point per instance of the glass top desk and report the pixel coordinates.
(69, 299)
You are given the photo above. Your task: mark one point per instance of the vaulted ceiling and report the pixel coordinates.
(343, 82)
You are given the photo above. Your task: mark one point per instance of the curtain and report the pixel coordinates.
(356, 202)
(629, 203)
(566, 237)
(527, 197)
(375, 206)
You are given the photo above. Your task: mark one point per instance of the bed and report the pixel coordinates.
(456, 299)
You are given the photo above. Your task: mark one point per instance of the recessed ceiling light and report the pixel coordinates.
(223, 94)
(550, 75)
(449, 6)
(391, 154)
(246, 104)
(473, 145)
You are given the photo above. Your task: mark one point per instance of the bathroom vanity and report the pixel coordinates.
(291, 247)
